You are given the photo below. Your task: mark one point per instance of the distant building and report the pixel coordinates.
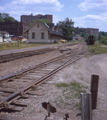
(3, 36)
(43, 33)
(77, 37)
(14, 28)
(30, 18)
(88, 31)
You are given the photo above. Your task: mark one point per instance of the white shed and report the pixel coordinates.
(1, 39)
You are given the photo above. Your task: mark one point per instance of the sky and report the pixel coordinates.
(84, 13)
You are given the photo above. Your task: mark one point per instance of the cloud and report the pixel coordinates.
(98, 16)
(93, 5)
(57, 5)
(16, 8)
(92, 21)
(1, 8)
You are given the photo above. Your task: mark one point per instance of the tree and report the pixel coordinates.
(103, 40)
(2, 20)
(42, 20)
(67, 28)
(4, 17)
(102, 33)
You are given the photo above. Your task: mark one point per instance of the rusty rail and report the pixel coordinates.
(42, 79)
(22, 54)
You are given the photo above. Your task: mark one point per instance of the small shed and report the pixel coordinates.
(78, 37)
(1, 38)
(41, 32)
(3, 34)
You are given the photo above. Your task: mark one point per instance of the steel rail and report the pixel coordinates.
(35, 67)
(24, 89)
(15, 56)
(18, 55)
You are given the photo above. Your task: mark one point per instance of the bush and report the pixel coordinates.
(103, 40)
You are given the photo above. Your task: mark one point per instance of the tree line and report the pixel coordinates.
(5, 17)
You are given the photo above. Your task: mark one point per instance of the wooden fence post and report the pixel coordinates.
(94, 90)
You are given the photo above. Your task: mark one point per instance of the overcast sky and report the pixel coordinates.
(84, 13)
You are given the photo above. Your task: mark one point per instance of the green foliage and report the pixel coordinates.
(4, 17)
(67, 28)
(83, 33)
(103, 40)
(42, 20)
(61, 85)
(2, 20)
(73, 86)
(97, 49)
(101, 33)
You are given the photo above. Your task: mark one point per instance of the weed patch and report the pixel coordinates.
(61, 85)
(97, 49)
(73, 87)
(71, 92)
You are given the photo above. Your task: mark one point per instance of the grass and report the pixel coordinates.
(61, 85)
(22, 45)
(11, 46)
(97, 49)
(70, 95)
(74, 87)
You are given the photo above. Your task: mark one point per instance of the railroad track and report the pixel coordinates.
(15, 89)
(14, 56)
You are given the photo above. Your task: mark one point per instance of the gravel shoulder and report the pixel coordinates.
(80, 72)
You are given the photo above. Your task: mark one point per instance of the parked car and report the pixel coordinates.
(24, 40)
(15, 38)
(9, 39)
(5, 40)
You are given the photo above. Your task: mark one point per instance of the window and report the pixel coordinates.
(42, 35)
(33, 35)
(37, 25)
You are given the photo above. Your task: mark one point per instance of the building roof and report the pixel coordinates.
(3, 32)
(49, 28)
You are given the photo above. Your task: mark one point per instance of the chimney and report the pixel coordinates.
(57, 30)
(53, 28)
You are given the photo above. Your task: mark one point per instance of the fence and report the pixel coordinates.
(89, 100)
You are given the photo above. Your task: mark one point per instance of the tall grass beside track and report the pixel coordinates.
(97, 48)
(22, 45)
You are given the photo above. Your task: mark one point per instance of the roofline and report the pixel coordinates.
(44, 27)
(33, 24)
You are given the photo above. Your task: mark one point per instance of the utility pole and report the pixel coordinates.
(18, 34)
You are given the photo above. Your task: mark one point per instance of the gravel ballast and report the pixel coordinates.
(79, 71)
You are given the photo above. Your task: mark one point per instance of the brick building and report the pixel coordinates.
(89, 31)
(30, 18)
(14, 28)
